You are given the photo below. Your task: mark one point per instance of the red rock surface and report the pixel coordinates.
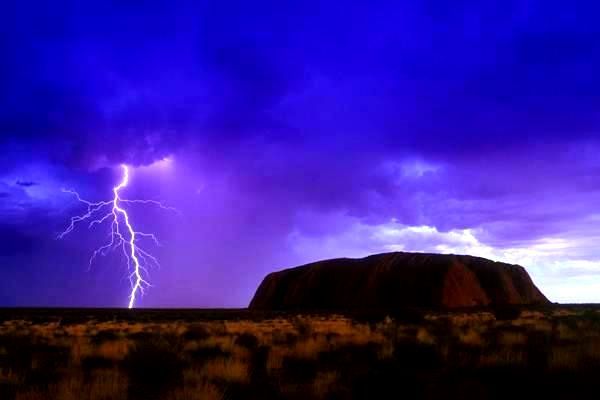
(396, 280)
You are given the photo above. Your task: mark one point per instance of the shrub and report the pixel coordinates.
(153, 366)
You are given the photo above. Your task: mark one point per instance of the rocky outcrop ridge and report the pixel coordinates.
(397, 280)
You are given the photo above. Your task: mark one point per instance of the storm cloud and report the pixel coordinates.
(293, 124)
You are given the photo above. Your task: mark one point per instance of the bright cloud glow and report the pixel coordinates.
(162, 164)
(551, 261)
(410, 169)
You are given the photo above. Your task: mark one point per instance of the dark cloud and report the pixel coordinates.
(26, 183)
(435, 82)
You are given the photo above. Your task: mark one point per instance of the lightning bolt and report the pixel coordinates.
(122, 233)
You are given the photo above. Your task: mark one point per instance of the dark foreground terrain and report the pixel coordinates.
(550, 352)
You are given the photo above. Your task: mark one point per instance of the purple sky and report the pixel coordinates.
(286, 133)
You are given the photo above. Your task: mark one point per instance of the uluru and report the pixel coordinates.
(398, 280)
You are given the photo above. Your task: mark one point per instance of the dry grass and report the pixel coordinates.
(533, 323)
(511, 338)
(592, 348)
(204, 391)
(227, 370)
(323, 383)
(567, 333)
(564, 358)
(471, 319)
(9, 377)
(506, 356)
(471, 337)
(386, 350)
(114, 350)
(104, 385)
(207, 357)
(275, 359)
(425, 337)
(308, 349)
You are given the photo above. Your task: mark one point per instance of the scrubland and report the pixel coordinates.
(553, 353)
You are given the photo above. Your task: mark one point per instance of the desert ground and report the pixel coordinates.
(62, 354)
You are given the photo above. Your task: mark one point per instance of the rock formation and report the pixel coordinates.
(397, 280)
